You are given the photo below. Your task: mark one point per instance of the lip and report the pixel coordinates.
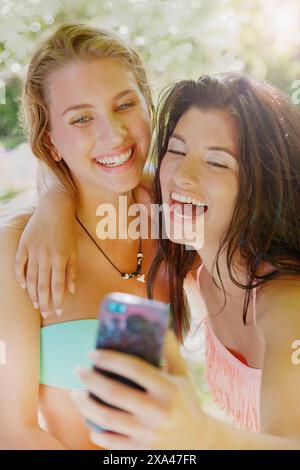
(185, 194)
(119, 169)
(177, 218)
(183, 219)
(114, 153)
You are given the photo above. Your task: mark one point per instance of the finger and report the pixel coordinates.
(115, 393)
(71, 274)
(107, 418)
(44, 284)
(20, 263)
(175, 363)
(139, 371)
(58, 279)
(31, 280)
(112, 441)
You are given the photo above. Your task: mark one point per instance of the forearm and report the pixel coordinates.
(30, 439)
(223, 436)
(56, 203)
(47, 182)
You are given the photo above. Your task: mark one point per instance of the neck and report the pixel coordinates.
(107, 206)
(208, 255)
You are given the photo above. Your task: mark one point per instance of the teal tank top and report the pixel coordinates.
(63, 346)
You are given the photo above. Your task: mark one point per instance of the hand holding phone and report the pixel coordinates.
(133, 325)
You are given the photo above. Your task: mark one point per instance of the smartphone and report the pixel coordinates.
(133, 325)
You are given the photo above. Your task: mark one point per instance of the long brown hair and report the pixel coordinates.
(265, 225)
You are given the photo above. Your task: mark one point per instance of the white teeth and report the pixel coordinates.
(186, 199)
(116, 160)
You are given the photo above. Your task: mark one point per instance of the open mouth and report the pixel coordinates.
(115, 161)
(186, 207)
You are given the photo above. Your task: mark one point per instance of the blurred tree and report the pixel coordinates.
(11, 134)
(176, 38)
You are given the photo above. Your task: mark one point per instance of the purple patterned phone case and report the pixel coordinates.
(133, 325)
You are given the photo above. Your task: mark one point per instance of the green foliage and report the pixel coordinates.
(10, 132)
(177, 38)
(8, 195)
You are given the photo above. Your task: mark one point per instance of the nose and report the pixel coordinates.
(112, 131)
(187, 174)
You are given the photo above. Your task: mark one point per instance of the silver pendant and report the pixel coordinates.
(141, 278)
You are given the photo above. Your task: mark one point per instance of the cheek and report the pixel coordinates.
(140, 126)
(64, 140)
(222, 187)
(169, 167)
(61, 138)
(231, 193)
(164, 175)
(224, 199)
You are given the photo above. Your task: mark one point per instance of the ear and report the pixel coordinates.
(54, 154)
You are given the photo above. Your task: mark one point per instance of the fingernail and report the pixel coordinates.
(23, 285)
(36, 305)
(59, 311)
(93, 427)
(94, 355)
(72, 287)
(44, 314)
(80, 371)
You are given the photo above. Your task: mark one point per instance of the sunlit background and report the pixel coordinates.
(177, 39)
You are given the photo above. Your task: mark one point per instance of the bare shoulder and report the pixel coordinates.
(18, 320)
(12, 225)
(12, 297)
(278, 318)
(9, 239)
(20, 330)
(278, 308)
(17, 212)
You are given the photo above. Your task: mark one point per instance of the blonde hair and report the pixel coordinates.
(70, 42)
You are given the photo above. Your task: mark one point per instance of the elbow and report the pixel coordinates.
(16, 437)
(28, 438)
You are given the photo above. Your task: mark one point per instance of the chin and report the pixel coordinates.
(126, 186)
(177, 241)
(190, 245)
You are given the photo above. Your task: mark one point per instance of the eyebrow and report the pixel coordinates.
(212, 147)
(77, 107)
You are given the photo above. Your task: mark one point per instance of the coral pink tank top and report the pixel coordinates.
(234, 385)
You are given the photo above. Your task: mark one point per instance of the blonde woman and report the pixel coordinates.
(87, 109)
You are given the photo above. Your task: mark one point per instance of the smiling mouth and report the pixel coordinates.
(116, 160)
(186, 207)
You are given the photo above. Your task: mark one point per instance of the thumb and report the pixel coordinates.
(174, 362)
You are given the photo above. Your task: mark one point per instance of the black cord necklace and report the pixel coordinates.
(138, 273)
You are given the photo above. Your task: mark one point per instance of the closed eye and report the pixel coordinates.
(176, 152)
(218, 165)
(215, 164)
